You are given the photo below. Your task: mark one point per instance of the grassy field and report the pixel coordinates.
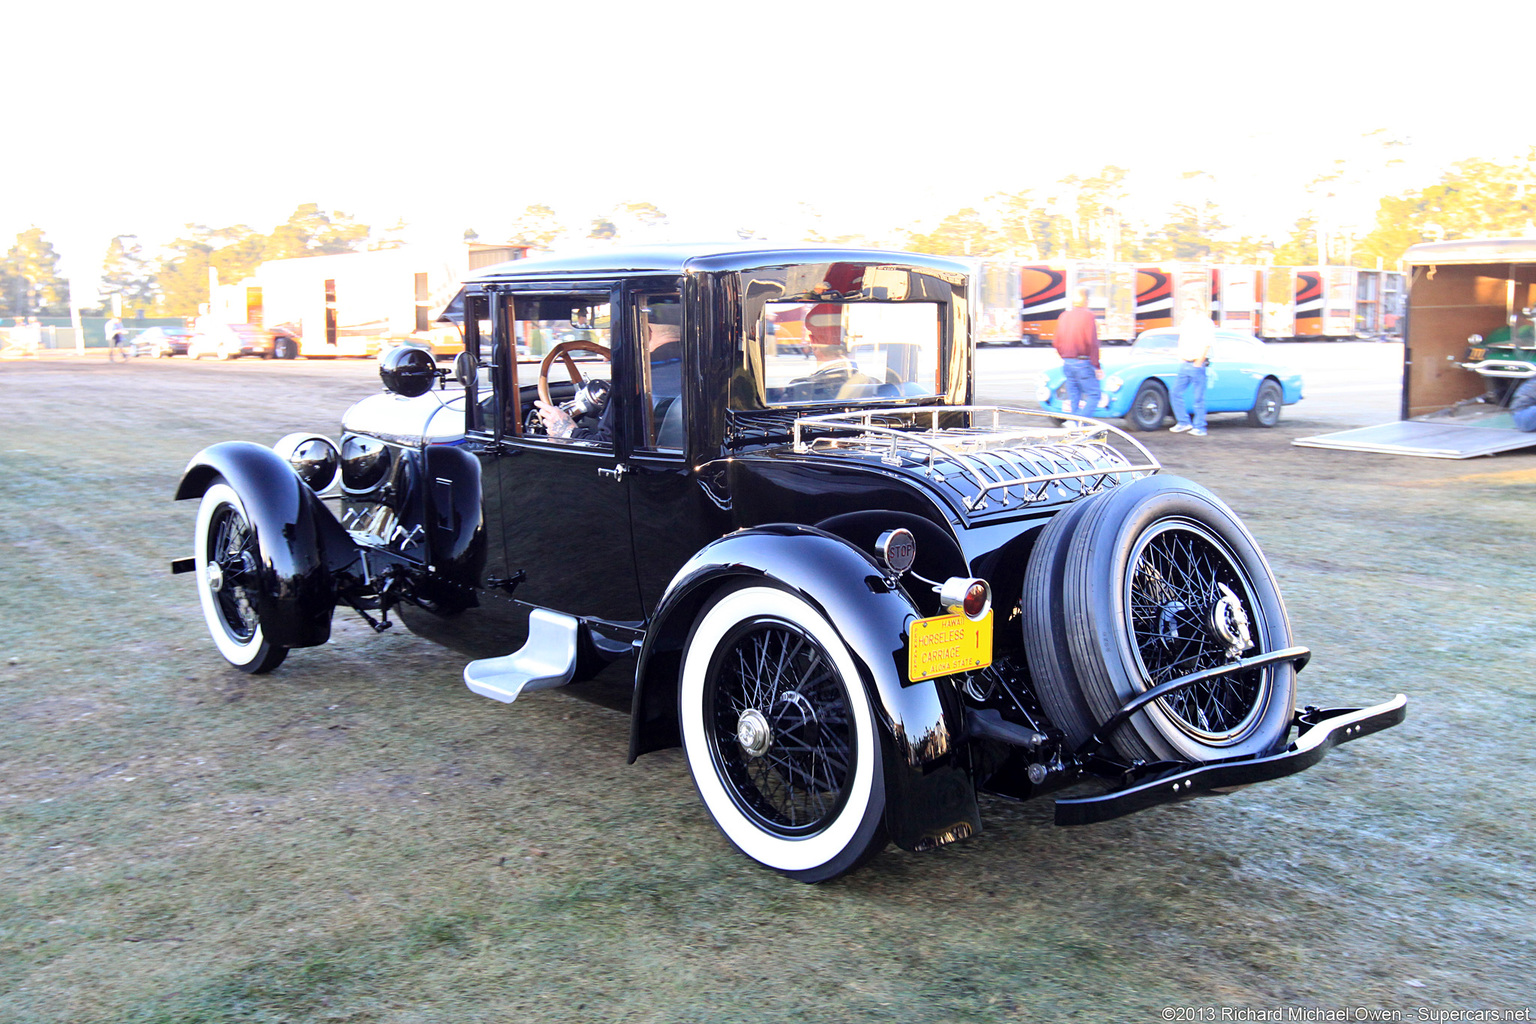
(356, 837)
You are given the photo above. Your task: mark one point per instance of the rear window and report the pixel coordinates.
(818, 352)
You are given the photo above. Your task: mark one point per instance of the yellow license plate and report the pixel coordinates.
(946, 644)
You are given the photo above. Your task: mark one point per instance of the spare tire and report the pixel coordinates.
(1158, 579)
(1045, 627)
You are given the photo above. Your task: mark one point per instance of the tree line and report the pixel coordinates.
(172, 279)
(1085, 217)
(1077, 217)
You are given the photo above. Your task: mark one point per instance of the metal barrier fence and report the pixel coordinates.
(34, 338)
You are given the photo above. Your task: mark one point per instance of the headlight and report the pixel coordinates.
(365, 463)
(1113, 383)
(1043, 393)
(314, 457)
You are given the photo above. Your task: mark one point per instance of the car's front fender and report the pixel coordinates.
(301, 542)
(930, 797)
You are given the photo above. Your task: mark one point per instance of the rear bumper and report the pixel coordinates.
(1319, 730)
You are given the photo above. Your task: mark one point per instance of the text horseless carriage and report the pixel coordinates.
(852, 597)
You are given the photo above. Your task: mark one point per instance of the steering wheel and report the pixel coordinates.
(563, 351)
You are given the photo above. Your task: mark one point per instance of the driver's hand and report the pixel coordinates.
(557, 422)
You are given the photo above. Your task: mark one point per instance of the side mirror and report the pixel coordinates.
(462, 368)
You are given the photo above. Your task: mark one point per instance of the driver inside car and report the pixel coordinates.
(588, 417)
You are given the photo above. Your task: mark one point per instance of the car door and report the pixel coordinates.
(1225, 382)
(1244, 366)
(562, 504)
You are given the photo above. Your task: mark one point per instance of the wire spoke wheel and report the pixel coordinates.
(1190, 607)
(228, 567)
(232, 548)
(1144, 583)
(780, 731)
(780, 735)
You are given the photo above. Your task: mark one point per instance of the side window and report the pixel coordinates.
(564, 348)
(660, 325)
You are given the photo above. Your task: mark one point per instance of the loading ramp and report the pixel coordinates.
(1444, 435)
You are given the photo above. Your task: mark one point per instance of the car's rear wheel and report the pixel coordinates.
(780, 735)
(1158, 580)
(228, 563)
(1266, 407)
(1149, 408)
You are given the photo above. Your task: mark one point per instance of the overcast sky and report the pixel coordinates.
(142, 117)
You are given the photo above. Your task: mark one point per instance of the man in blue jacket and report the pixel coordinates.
(1522, 405)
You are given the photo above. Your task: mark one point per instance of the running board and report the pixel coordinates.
(546, 661)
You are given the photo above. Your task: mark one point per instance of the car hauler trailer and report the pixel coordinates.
(1325, 303)
(1456, 383)
(1162, 290)
(1235, 297)
(1046, 291)
(1378, 303)
(1277, 286)
(997, 292)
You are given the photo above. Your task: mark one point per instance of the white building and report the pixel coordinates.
(346, 304)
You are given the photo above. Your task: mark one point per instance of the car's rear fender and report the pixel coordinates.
(930, 796)
(302, 544)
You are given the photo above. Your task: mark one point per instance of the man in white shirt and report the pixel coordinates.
(1196, 337)
(115, 338)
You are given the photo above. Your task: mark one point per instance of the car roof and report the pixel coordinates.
(681, 257)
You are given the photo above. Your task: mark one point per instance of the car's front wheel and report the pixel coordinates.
(1266, 408)
(228, 560)
(780, 735)
(1149, 408)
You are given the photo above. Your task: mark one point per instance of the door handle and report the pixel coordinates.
(617, 472)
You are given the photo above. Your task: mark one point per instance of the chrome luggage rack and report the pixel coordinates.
(992, 458)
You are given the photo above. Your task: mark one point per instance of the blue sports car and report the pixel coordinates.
(1242, 376)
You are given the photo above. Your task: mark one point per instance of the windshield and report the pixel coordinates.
(1158, 340)
(817, 352)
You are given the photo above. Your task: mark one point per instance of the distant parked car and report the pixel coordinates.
(161, 342)
(230, 341)
(1244, 375)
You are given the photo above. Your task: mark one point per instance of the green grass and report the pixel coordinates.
(356, 837)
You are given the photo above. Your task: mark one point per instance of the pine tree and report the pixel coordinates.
(127, 275)
(33, 286)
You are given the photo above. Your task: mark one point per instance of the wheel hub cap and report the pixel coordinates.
(1230, 622)
(214, 577)
(753, 733)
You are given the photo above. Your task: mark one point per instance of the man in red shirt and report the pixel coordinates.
(1077, 342)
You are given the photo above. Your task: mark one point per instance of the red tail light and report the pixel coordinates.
(969, 597)
(976, 599)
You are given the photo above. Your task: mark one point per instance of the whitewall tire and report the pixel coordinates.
(227, 558)
(780, 735)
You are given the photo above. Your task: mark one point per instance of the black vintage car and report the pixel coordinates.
(850, 595)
